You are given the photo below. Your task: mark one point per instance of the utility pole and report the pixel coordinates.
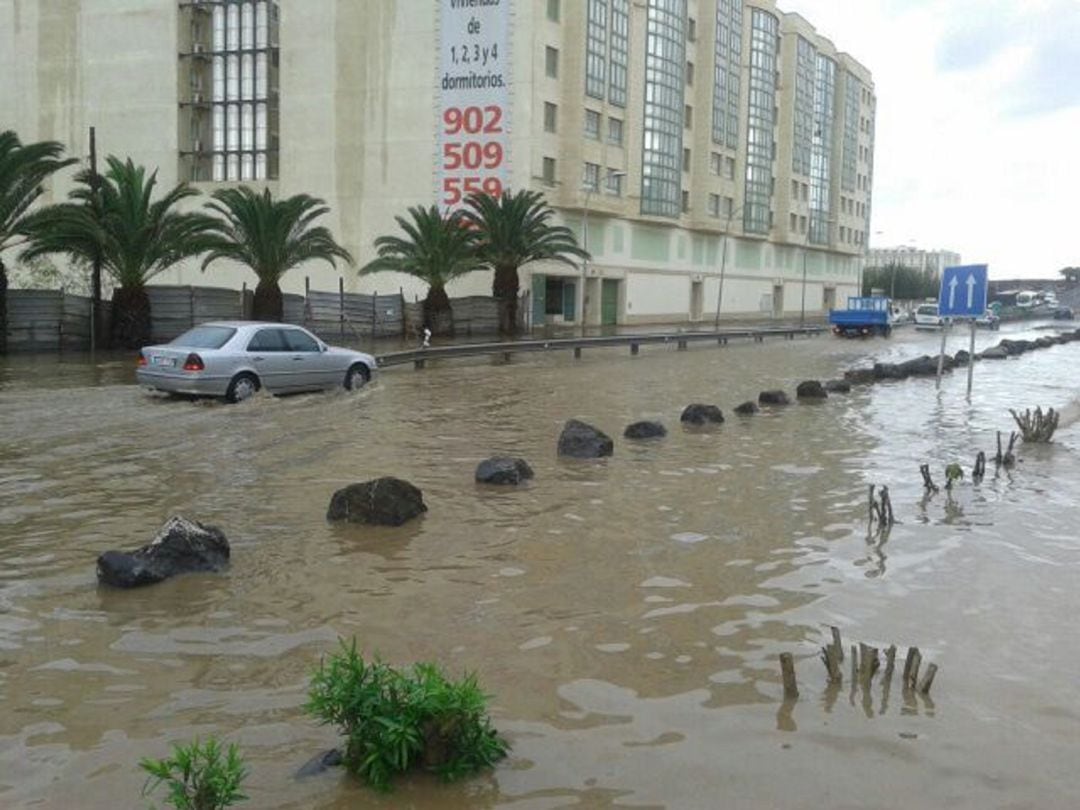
(95, 184)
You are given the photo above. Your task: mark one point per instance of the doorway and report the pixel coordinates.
(778, 300)
(829, 301)
(697, 299)
(609, 302)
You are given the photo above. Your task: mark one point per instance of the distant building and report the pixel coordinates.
(686, 141)
(912, 258)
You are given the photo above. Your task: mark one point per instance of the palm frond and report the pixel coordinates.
(435, 249)
(23, 171)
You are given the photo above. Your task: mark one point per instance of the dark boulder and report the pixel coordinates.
(1014, 347)
(747, 409)
(995, 353)
(838, 387)
(924, 366)
(503, 470)
(859, 376)
(181, 546)
(888, 371)
(1044, 342)
(383, 502)
(811, 389)
(320, 763)
(775, 397)
(962, 358)
(645, 430)
(579, 440)
(698, 414)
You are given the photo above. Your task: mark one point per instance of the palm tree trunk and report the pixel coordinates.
(131, 318)
(268, 303)
(505, 290)
(438, 314)
(3, 308)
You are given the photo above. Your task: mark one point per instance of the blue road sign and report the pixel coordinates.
(963, 291)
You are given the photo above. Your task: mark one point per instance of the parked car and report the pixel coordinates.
(234, 359)
(988, 320)
(926, 317)
(1063, 314)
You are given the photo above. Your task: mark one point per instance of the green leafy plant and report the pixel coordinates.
(394, 719)
(199, 776)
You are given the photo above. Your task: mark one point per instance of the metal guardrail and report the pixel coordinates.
(681, 340)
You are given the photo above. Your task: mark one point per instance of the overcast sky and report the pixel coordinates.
(978, 124)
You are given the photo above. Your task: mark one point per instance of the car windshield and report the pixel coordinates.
(928, 309)
(204, 337)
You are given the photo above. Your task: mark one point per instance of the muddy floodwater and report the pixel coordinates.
(626, 615)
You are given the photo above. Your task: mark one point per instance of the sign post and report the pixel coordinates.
(962, 295)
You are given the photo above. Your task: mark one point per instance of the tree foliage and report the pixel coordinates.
(434, 249)
(514, 230)
(271, 237)
(903, 283)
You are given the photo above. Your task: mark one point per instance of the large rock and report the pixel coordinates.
(698, 414)
(924, 366)
(579, 440)
(1044, 342)
(181, 546)
(775, 397)
(383, 502)
(503, 470)
(962, 358)
(994, 353)
(645, 430)
(859, 376)
(811, 389)
(746, 409)
(1016, 346)
(838, 387)
(888, 371)
(321, 763)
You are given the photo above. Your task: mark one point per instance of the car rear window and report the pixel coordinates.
(927, 309)
(204, 337)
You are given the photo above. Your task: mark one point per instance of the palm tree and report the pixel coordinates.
(271, 237)
(437, 250)
(23, 170)
(514, 231)
(134, 236)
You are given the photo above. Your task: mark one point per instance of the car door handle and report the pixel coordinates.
(258, 359)
(298, 358)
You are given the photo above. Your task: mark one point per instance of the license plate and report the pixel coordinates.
(160, 360)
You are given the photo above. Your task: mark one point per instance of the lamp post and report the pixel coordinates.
(723, 262)
(585, 232)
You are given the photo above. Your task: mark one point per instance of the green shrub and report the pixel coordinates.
(395, 719)
(199, 777)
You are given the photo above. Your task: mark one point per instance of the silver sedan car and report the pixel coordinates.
(234, 359)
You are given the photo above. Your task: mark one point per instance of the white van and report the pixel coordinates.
(1027, 299)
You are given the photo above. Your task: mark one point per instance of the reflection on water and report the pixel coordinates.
(627, 614)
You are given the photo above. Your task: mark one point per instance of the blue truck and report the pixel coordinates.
(865, 315)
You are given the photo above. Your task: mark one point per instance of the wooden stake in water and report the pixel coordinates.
(971, 360)
(787, 671)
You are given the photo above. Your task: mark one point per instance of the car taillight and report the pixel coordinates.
(142, 360)
(194, 363)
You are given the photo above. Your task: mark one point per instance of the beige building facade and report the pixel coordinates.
(705, 151)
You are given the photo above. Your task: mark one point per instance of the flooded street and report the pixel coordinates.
(626, 614)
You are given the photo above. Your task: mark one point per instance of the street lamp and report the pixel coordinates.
(723, 262)
(612, 175)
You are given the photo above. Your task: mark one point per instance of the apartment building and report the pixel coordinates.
(707, 152)
(913, 258)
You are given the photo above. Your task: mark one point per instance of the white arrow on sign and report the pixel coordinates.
(952, 292)
(971, 284)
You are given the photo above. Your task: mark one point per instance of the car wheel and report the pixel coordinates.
(357, 377)
(243, 386)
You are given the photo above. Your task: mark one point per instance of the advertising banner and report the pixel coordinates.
(473, 95)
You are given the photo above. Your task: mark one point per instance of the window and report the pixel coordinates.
(614, 131)
(761, 121)
(551, 117)
(591, 177)
(729, 207)
(689, 74)
(205, 337)
(233, 128)
(665, 61)
(729, 168)
(802, 224)
(714, 205)
(614, 181)
(688, 117)
(553, 10)
(548, 174)
(794, 222)
(618, 50)
(686, 160)
(592, 124)
(596, 30)
(714, 162)
(298, 341)
(795, 189)
(691, 29)
(686, 202)
(727, 58)
(551, 62)
(267, 340)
